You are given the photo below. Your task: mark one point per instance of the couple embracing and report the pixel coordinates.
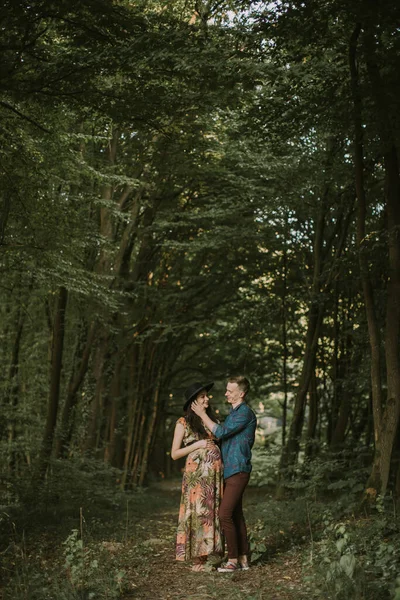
(213, 487)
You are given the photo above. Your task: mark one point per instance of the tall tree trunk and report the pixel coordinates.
(150, 432)
(373, 328)
(139, 447)
(4, 214)
(390, 418)
(339, 433)
(291, 450)
(396, 465)
(135, 407)
(137, 451)
(310, 448)
(315, 316)
(379, 477)
(133, 419)
(12, 391)
(76, 380)
(112, 411)
(334, 408)
(285, 352)
(56, 368)
(344, 389)
(96, 405)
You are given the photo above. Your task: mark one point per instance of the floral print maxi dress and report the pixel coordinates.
(199, 532)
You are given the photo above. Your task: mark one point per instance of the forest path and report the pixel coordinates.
(160, 576)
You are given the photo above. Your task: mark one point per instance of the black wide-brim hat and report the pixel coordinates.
(193, 390)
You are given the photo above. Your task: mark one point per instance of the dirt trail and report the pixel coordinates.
(161, 577)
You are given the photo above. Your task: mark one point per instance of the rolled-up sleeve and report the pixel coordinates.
(237, 421)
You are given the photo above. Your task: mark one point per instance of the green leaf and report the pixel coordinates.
(348, 564)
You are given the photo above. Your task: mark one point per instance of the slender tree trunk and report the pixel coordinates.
(112, 411)
(315, 316)
(373, 328)
(4, 214)
(291, 450)
(339, 433)
(139, 448)
(76, 380)
(150, 433)
(314, 321)
(344, 401)
(369, 424)
(12, 392)
(285, 352)
(95, 412)
(334, 408)
(310, 448)
(135, 400)
(396, 465)
(390, 419)
(388, 425)
(137, 452)
(56, 368)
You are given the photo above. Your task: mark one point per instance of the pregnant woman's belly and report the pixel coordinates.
(204, 456)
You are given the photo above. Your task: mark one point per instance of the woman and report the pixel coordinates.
(199, 533)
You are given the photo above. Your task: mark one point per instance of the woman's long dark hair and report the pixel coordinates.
(195, 423)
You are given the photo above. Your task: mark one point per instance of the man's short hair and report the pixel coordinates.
(242, 382)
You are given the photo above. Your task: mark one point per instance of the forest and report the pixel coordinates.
(191, 189)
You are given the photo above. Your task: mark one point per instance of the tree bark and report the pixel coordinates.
(379, 477)
(4, 214)
(388, 425)
(95, 411)
(150, 433)
(112, 411)
(310, 449)
(56, 369)
(373, 328)
(315, 316)
(76, 380)
(343, 389)
(291, 450)
(285, 352)
(12, 391)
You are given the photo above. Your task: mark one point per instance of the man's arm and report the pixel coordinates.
(238, 420)
(201, 412)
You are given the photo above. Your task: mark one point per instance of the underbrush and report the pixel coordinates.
(76, 569)
(357, 557)
(350, 550)
(77, 539)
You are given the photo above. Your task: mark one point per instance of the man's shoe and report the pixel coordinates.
(228, 567)
(244, 566)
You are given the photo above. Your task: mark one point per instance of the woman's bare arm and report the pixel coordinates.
(177, 451)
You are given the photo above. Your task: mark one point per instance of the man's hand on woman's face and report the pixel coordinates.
(196, 408)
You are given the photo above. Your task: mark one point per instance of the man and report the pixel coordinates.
(237, 437)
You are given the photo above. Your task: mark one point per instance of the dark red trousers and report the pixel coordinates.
(231, 515)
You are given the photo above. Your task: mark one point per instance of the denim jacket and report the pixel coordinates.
(237, 436)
